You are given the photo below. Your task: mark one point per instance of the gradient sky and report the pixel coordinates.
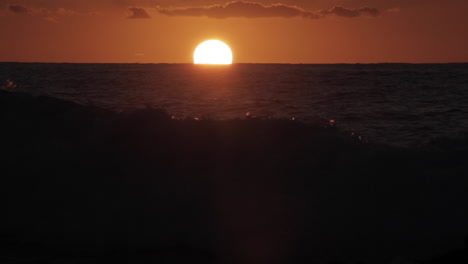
(258, 31)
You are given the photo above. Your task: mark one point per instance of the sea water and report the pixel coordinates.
(397, 104)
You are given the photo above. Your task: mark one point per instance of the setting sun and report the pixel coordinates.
(212, 52)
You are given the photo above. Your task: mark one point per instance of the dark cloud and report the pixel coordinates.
(258, 10)
(47, 14)
(239, 9)
(18, 9)
(351, 12)
(138, 13)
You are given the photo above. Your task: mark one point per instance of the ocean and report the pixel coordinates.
(134, 184)
(395, 104)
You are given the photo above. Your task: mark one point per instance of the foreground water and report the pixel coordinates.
(398, 104)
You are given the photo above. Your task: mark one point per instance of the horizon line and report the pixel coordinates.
(239, 63)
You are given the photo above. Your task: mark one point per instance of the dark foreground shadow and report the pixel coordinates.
(86, 185)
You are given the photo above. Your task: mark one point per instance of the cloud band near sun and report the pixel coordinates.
(48, 14)
(18, 9)
(258, 10)
(138, 13)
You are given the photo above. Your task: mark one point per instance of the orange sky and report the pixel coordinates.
(301, 31)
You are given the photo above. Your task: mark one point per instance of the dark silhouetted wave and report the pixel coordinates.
(81, 183)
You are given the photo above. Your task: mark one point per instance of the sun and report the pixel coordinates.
(212, 52)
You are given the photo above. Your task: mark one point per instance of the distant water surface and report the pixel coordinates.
(398, 104)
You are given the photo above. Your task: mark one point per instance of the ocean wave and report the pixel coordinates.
(77, 177)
